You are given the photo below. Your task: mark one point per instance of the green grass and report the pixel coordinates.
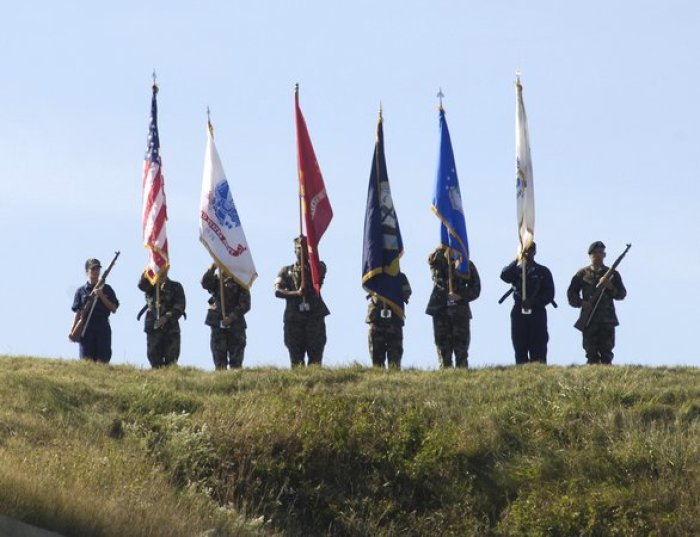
(90, 450)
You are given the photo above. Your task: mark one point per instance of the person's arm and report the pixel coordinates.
(573, 293)
(239, 309)
(108, 299)
(618, 291)
(473, 288)
(145, 286)
(511, 273)
(282, 289)
(545, 293)
(210, 281)
(177, 310)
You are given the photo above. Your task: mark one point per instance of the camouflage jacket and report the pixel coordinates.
(583, 286)
(236, 299)
(172, 303)
(380, 313)
(467, 287)
(309, 304)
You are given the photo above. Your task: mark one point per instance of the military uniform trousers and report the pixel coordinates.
(163, 346)
(386, 344)
(529, 335)
(96, 344)
(452, 335)
(598, 342)
(228, 346)
(305, 336)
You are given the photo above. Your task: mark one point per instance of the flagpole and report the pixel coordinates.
(450, 282)
(221, 292)
(157, 302)
(523, 279)
(157, 305)
(302, 262)
(301, 228)
(523, 257)
(448, 251)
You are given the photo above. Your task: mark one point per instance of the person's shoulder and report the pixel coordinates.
(544, 268)
(580, 273)
(286, 269)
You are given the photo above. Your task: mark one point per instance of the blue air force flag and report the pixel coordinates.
(447, 202)
(382, 245)
(220, 228)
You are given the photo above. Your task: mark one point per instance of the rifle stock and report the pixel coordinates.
(85, 313)
(590, 306)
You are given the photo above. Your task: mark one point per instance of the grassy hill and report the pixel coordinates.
(89, 450)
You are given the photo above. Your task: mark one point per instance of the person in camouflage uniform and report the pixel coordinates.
(163, 330)
(599, 335)
(305, 312)
(228, 334)
(528, 318)
(386, 328)
(450, 311)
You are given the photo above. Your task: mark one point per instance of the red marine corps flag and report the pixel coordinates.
(315, 205)
(154, 212)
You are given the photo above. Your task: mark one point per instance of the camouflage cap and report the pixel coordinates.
(594, 245)
(92, 262)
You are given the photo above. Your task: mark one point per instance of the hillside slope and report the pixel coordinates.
(89, 450)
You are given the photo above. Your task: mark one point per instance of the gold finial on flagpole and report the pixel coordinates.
(440, 95)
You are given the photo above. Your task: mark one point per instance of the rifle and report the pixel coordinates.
(506, 295)
(589, 307)
(85, 313)
(510, 292)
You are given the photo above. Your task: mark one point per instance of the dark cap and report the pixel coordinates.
(594, 245)
(91, 263)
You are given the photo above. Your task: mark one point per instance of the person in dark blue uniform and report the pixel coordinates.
(528, 318)
(96, 342)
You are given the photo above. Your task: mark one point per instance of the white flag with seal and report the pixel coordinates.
(220, 228)
(525, 195)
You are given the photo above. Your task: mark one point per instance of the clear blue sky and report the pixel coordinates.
(611, 91)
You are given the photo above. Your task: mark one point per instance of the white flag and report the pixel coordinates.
(219, 226)
(525, 186)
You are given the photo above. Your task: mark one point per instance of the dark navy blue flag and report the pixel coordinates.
(447, 202)
(382, 245)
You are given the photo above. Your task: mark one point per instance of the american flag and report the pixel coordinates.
(154, 209)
